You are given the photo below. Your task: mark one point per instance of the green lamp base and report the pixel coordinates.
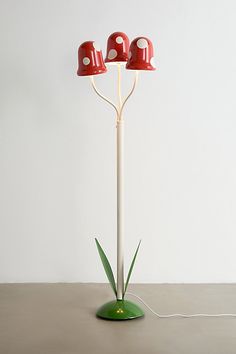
(119, 310)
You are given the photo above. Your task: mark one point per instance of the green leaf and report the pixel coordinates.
(106, 266)
(131, 268)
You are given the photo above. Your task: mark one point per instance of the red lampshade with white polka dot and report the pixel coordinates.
(141, 55)
(90, 59)
(117, 48)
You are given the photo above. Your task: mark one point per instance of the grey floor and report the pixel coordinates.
(60, 318)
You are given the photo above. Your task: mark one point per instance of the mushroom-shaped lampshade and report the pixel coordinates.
(117, 48)
(141, 55)
(90, 59)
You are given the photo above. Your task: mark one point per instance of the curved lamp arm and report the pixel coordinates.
(102, 96)
(128, 96)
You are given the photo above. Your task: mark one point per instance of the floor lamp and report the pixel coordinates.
(136, 56)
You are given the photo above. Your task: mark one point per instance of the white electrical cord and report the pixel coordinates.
(181, 314)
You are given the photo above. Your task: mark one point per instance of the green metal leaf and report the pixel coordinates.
(131, 268)
(106, 266)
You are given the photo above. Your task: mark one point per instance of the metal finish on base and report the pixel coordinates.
(118, 310)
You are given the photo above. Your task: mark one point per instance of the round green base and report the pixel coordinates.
(119, 310)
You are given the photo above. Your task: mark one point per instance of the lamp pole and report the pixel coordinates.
(120, 174)
(120, 211)
(120, 194)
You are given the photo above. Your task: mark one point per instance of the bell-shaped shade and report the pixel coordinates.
(117, 48)
(141, 55)
(90, 59)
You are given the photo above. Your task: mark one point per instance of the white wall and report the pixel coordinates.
(57, 141)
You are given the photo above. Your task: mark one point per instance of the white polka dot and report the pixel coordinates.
(129, 55)
(86, 61)
(152, 62)
(119, 40)
(112, 54)
(96, 46)
(142, 43)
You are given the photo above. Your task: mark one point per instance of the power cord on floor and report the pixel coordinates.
(181, 314)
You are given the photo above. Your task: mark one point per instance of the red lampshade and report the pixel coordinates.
(141, 55)
(90, 59)
(117, 48)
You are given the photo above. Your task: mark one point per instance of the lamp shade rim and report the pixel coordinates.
(122, 62)
(95, 72)
(141, 69)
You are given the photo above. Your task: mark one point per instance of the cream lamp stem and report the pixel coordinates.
(120, 176)
(120, 187)
(120, 211)
(120, 195)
